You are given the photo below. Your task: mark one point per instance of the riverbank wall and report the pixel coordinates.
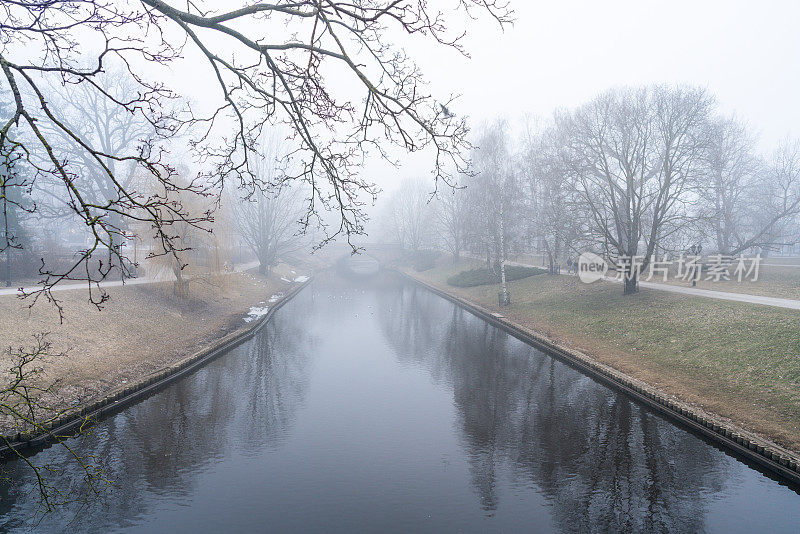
(770, 457)
(74, 420)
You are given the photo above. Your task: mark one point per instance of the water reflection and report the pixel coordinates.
(380, 406)
(244, 402)
(604, 462)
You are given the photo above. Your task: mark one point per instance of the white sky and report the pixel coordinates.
(563, 53)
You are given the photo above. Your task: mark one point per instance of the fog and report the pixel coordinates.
(209, 104)
(607, 177)
(561, 54)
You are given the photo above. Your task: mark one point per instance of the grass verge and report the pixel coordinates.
(739, 361)
(142, 329)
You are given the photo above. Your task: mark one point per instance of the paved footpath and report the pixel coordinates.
(707, 293)
(724, 295)
(116, 283)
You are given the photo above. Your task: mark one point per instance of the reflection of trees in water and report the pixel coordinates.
(405, 312)
(603, 462)
(245, 401)
(276, 386)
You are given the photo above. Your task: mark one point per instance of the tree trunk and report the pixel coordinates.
(504, 298)
(631, 285)
(181, 286)
(8, 265)
(262, 267)
(6, 230)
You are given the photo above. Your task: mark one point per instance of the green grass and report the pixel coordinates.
(482, 276)
(740, 360)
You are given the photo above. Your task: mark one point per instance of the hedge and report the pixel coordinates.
(482, 277)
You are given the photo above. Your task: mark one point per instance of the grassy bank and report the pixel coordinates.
(737, 360)
(140, 330)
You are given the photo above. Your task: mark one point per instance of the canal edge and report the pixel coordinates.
(761, 451)
(63, 426)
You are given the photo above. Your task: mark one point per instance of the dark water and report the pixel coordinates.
(386, 408)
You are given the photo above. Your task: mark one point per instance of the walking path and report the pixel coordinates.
(722, 295)
(116, 283)
(708, 293)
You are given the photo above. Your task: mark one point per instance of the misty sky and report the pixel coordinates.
(563, 53)
(560, 54)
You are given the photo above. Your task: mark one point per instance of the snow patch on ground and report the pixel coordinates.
(285, 279)
(256, 312)
(275, 298)
(301, 279)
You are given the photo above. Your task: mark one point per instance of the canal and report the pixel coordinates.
(375, 405)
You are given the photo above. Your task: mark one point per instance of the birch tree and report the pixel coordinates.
(493, 193)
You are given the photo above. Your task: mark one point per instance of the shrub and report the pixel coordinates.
(483, 276)
(424, 260)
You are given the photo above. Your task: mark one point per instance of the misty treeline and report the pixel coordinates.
(95, 127)
(43, 237)
(643, 172)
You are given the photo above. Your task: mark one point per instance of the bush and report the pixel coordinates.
(424, 260)
(482, 277)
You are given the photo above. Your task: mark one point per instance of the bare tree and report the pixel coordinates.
(115, 131)
(748, 203)
(269, 221)
(493, 193)
(412, 215)
(634, 152)
(268, 224)
(553, 218)
(283, 54)
(14, 206)
(451, 215)
(729, 182)
(775, 204)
